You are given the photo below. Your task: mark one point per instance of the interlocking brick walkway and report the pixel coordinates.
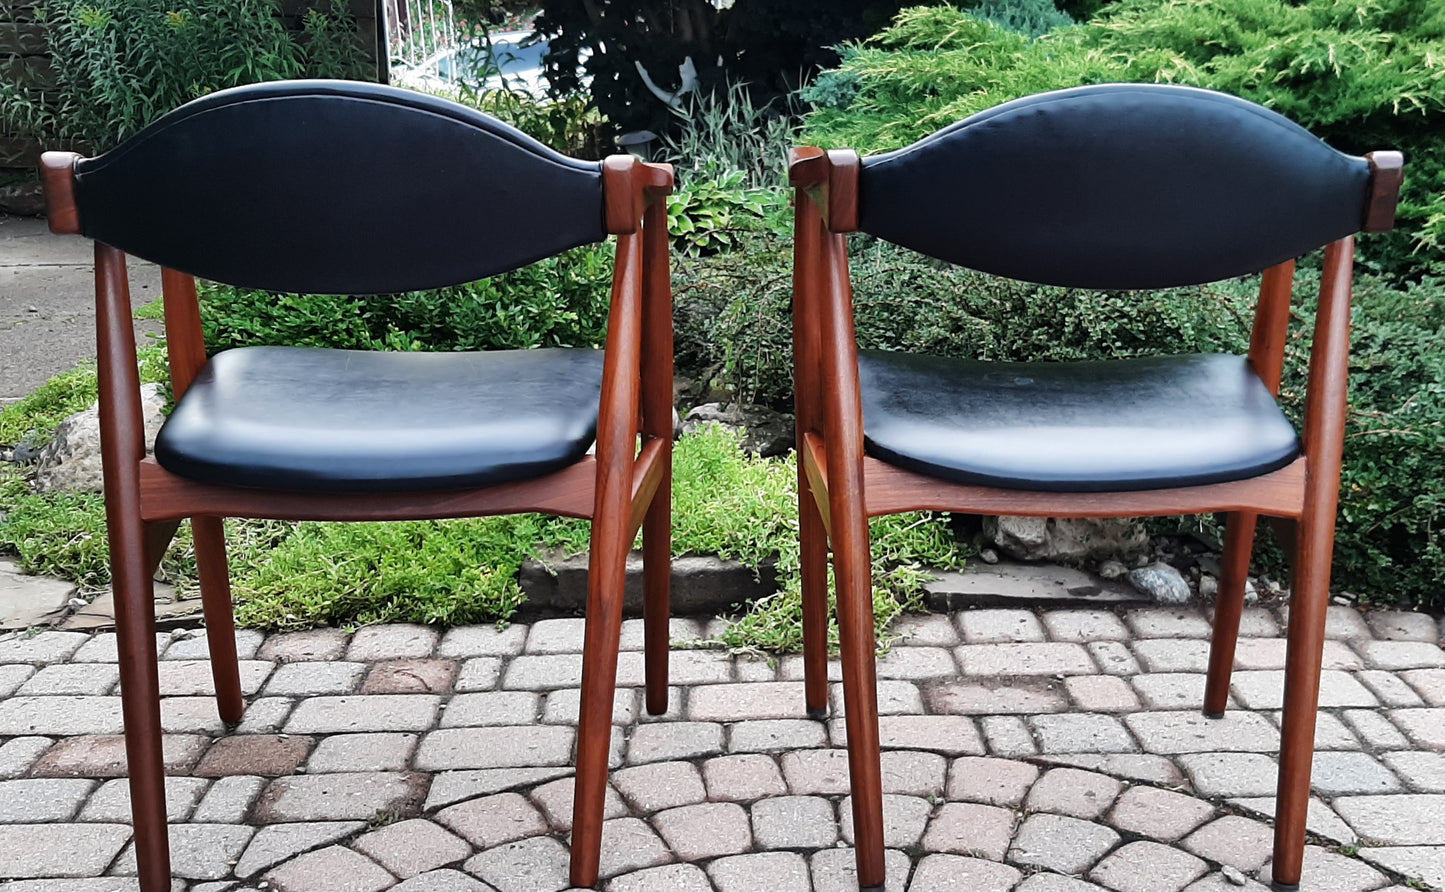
(1053, 752)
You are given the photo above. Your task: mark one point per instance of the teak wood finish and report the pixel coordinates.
(623, 488)
(840, 488)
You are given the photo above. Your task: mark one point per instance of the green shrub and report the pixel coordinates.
(734, 327)
(558, 302)
(120, 64)
(1362, 76)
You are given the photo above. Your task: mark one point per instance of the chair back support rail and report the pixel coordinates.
(291, 186)
(1116, 187)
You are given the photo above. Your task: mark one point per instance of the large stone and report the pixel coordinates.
(27, 601)
(1065, 538)
(1020, 584)
(1161, 582)
(70, 462)
(700, 583)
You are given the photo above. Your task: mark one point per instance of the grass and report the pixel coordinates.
(288, 576)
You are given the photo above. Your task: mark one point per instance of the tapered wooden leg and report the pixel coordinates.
(1228, 608)
(1308, 604)
(140, 698)
(210, 537)
(852, 570)
(607, 574)
(656, 590)
(813, 558)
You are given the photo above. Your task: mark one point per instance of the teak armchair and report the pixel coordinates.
(1105, 187)
(296, 186)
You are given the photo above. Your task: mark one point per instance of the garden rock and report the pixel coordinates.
(765, 432)
(1161, 582)
(71, 461)
(1065, 539)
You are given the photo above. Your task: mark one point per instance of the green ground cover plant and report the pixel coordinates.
(288, 576)
(1361, 75)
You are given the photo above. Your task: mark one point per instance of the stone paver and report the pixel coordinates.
(743, 778)
(1024, 659)
(795, 822)
(340, 797)
(332, 869)
(660, 785)
(952, 873)
(775, 871)
(362, 752)
(1078, 794)
(1067, 741)
(990, 781)
(412, 847)
(1055, 842)
(1160, 814)
(59, 850)
(963, 828)
(1148, 867)
(706, 830)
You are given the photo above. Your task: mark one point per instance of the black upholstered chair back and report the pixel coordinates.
(1116, 186)
(337, 187)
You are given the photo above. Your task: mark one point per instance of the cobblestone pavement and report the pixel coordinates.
(1060, 751)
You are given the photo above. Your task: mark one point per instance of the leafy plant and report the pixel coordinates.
(558, 302)
(708, 216)
(120, 64)
(721, 133)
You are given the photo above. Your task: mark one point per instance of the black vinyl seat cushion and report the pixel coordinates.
(322, 420)
(1115, 425)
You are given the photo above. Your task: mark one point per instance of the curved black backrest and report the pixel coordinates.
(1116, 186)
(337, 187)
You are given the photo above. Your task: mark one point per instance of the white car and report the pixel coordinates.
(511, 60)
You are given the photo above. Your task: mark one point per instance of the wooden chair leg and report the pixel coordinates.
(1228, 608)
(853, 574)
(813, 570)
(1309, 602)
(656, 590)
(210, 538)
(140, 698)
(606, 578)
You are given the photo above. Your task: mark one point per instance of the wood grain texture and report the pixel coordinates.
(1387, 173)
(852, 564)
(617, 432)
(656, 371)
(185, 343)
(891, 490)
(1324, 437)
(808, 169)
(566, 493)
(1271, 324)
(57, 175)
(122, 444)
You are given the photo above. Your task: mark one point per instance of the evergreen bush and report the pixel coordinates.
(1361, 76)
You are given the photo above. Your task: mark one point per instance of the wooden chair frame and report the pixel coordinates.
(621, 489)
(839, 488)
